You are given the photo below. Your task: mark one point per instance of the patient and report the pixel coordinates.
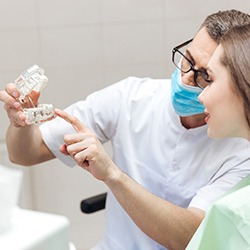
(227, 106)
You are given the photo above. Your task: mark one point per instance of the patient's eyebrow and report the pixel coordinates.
(210, 72)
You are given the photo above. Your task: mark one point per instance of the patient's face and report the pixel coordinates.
(223, 107)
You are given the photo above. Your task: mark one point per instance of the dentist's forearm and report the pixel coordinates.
(25, 145)
(169, 225)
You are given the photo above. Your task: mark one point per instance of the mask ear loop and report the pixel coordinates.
(34, 79)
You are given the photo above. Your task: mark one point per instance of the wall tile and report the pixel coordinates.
(181, 10)
(241, 5)
(3, 124)
(130, 10)
(19, 49)
(71, 47)
(18, 14)
(133, 43)
(67, 12)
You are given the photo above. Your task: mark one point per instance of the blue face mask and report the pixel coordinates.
(184, 97)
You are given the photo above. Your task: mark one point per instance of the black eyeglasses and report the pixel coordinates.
(201, 78)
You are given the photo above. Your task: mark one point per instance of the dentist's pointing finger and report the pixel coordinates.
(77, 125)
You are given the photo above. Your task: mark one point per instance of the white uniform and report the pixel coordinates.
(152, 147)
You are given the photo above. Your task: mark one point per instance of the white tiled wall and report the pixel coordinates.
(85, 45)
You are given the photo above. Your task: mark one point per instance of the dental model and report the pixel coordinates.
(34, 79)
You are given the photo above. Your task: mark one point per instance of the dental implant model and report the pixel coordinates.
(33, 79)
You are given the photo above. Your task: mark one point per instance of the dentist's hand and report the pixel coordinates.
(86, 149)
(9, 96)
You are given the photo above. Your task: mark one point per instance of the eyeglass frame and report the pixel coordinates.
(176, 49)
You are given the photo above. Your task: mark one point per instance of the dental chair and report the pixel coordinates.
(93, 204)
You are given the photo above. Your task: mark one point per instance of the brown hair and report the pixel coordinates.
(219, 23)
(236, 58)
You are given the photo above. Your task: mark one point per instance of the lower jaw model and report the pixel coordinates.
(39, 114)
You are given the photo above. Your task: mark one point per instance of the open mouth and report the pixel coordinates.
(207, 116)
